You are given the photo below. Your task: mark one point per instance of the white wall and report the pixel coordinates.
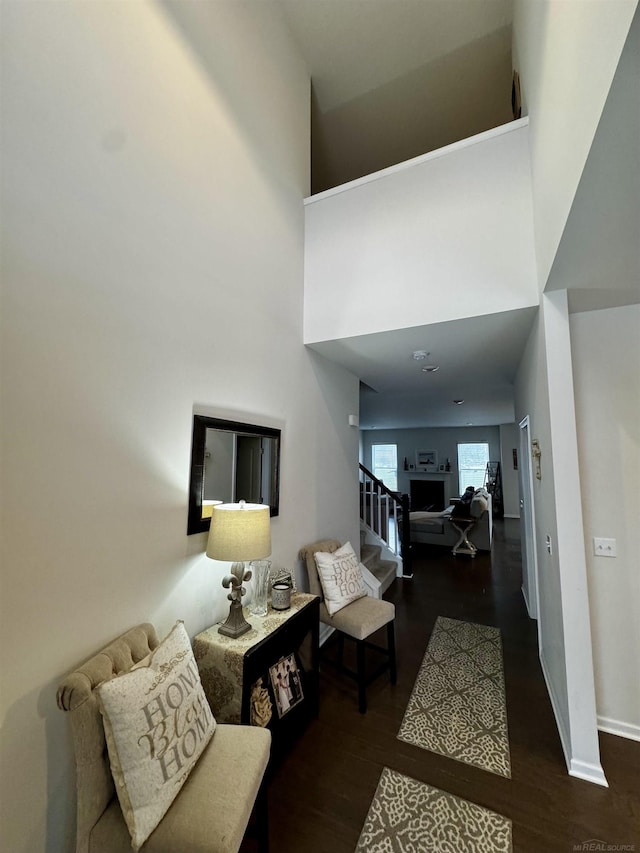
(532, 399)
(598, 259)
(152, 262)
(607, 396)
(443, 440)
(449, 235)
(552, 39)
(510, 439)
(544, 391)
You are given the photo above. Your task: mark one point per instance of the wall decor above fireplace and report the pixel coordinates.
(426, 460)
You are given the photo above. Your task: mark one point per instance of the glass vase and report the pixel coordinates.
(259, 587)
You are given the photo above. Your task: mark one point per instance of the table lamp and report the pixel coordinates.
(239, 532)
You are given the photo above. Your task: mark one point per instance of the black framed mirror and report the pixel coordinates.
(230, 462)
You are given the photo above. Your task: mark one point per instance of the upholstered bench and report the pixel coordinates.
(212, 809)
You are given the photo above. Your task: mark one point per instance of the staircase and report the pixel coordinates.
(382, 568)
(493, 484)
(385, 550)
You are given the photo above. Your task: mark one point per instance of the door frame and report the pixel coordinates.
(528, 523)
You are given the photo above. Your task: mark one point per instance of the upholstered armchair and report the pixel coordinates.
(358, 620)
(212, 809)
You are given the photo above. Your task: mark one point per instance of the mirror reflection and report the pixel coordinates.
(230, 462)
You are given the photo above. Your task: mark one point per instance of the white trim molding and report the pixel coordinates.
(589, 772)
(617, 727)
(580, 769)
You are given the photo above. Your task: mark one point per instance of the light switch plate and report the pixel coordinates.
(604, 547)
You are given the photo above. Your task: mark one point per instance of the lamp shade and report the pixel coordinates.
(239, 532)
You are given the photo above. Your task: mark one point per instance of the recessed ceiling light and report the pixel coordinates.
(458, 402)
(430, 368)
(420, 355)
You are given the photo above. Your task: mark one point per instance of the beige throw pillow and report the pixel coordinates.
(340, 577)
(157, 722)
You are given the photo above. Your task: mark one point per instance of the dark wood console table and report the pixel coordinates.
(240, 676)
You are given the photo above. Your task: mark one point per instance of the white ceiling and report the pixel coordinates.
(354, 46)
(477, 359)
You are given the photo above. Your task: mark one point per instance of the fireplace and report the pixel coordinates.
(427, 495)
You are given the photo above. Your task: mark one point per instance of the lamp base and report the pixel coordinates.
(236, 625)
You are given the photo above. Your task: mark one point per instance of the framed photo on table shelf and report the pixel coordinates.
(286, 684)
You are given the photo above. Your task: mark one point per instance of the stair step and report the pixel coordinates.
(369, 553)
(383, 570)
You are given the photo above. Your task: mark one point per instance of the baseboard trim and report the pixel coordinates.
(589, 772)
(564, 734)
(507, 515)
(617, 727)
(580, 769)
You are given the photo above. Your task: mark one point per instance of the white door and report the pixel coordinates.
(527, 523)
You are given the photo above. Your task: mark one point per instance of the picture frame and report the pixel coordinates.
(286, 684)
(426, 460)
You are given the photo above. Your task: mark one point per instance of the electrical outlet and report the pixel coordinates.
(604, 547)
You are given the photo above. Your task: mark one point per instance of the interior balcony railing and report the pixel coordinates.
(382, 511)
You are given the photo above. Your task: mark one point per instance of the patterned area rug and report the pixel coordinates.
(407, 816)
(458, 706)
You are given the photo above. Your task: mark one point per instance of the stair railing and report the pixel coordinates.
(493, 484)
(386, 513)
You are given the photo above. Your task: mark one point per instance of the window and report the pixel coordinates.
(384, 461)
(472, 464)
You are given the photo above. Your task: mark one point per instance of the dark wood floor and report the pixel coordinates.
(321, 791)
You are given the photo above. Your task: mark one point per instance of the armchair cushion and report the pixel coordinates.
(340, 576)
(157, 723)
(362, 618)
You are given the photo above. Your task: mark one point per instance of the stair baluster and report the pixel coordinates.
(378, 505)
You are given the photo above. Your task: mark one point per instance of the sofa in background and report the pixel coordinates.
(435, 528)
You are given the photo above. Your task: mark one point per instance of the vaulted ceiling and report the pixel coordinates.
(392, 79)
